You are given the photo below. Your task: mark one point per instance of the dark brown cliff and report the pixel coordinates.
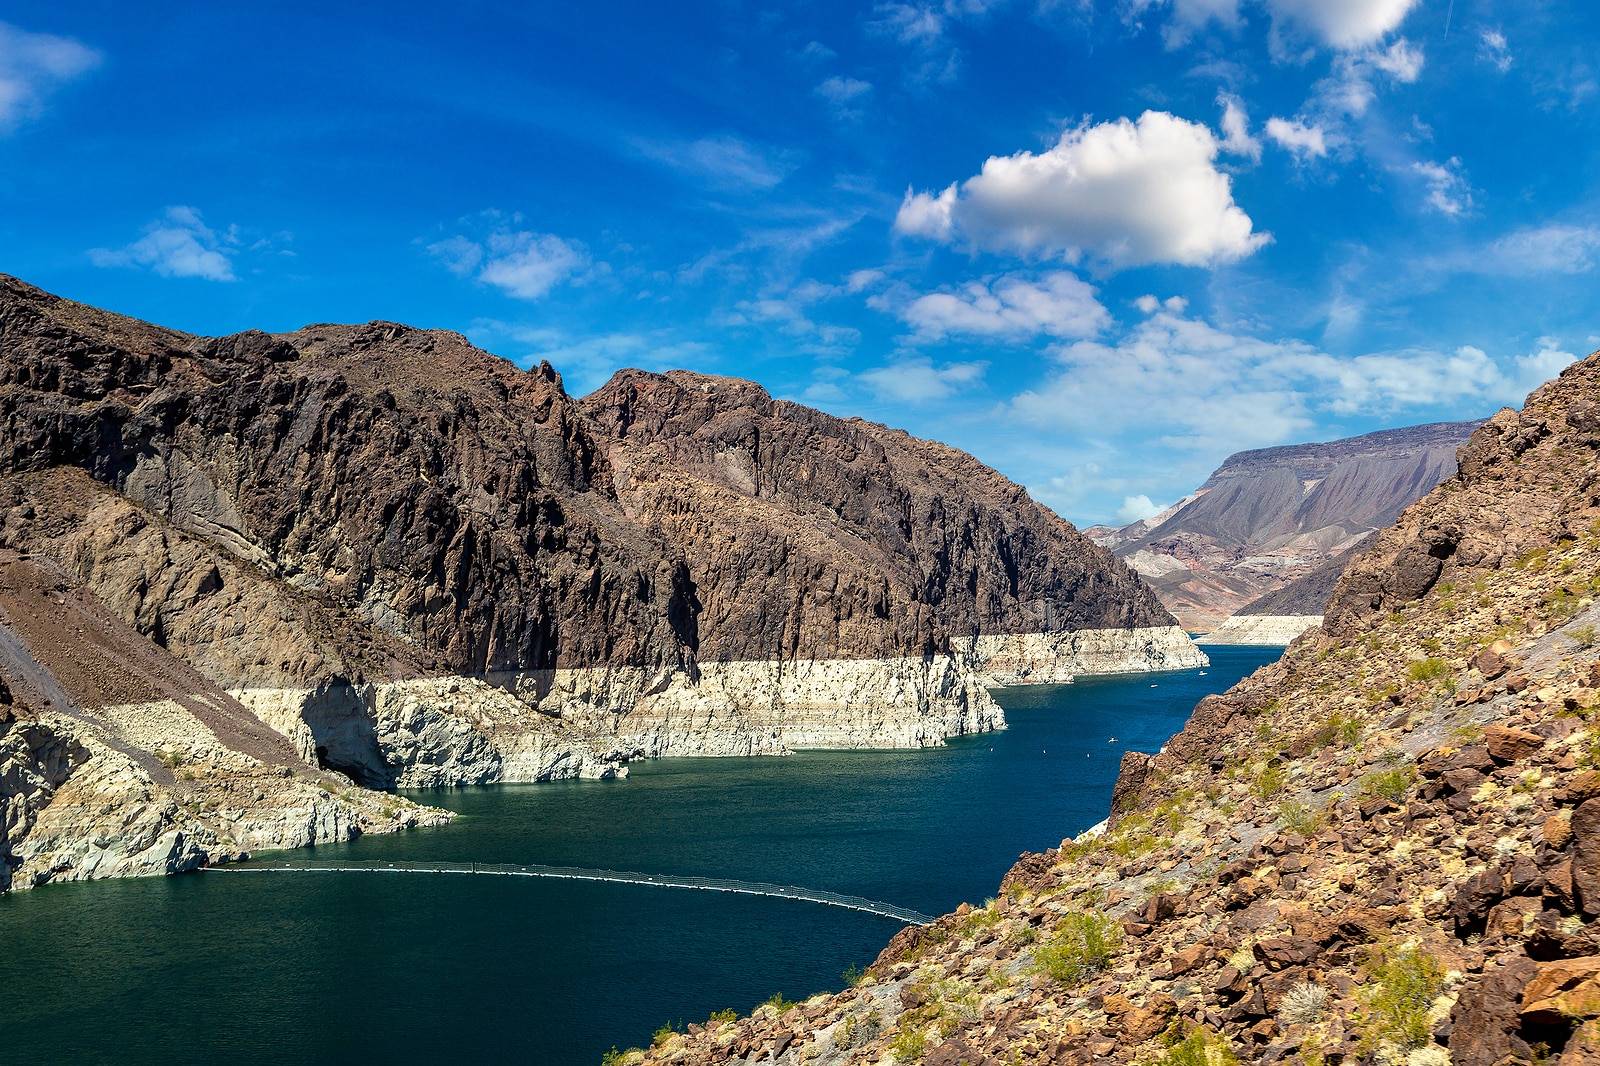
(470, 517)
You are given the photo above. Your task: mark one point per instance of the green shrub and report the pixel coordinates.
(1584, 636)
(662, 1035)
(778, 1003)
(1269, 781)
(725, 1016)
(1196, 1046)
(1396, 997)
(909, 1045)
(1391, 785)
(1300, 817)
(853, 975)
(1081, 946)
(1430, 669)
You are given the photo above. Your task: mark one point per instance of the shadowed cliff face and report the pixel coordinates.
(815, 536)
(475, 512)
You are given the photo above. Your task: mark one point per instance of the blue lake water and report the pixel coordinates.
(335, 967)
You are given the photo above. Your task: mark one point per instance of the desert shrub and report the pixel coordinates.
(1195, 1046)
(725, 1016)
(909, 1045)
(1391, 785)
(1299, 817)
(1396, 997)
(1429, 669)
(1303, 1004)
(1584, 636)
(1081, 946)
(1269, 781)
(778, 1003)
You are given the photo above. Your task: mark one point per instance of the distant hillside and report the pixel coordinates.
(1271, 516)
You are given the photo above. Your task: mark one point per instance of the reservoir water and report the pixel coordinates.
(341, 967)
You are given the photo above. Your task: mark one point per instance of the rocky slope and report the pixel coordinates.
(1384, 848)
(421, 565)
(1268, 517)
(117, 759)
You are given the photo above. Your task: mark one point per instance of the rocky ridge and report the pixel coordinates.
(420, 565)
(1384, 848)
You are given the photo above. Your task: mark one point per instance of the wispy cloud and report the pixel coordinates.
(724, 162)
(32, 66)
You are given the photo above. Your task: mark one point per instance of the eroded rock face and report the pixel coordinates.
(422, 565)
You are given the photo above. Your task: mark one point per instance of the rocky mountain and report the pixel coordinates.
(1383, 848)
(421, 565)
(1268, 517)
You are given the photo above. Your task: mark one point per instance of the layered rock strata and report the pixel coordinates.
(1384, 848)
(181, 777)
(1277, 517)
(424, 566)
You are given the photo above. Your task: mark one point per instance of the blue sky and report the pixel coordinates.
(1101, 245)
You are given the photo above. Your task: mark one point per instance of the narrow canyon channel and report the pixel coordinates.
(339, 967)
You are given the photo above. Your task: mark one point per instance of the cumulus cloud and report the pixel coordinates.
(519, 263)
(1342, 24)
(1445, 189)
(1123, 193)
(1494, 50)
(33, 65)
(1137, 509)
(178, 245)
(1301, 141)
(1057, 304)
(919, 380)
(724, 162)
(1547, 360)
(1236, 137)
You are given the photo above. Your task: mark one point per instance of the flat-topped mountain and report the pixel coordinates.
(422, 565)
(1272, 515)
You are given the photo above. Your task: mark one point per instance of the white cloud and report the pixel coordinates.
(32, 65)
(725, 162)
(1446, 189)
(1236, 138)
(520, 263)
(1124, 193)
(1137, 509)
(1302, 141)
(1494, 50)
(788, 313)
(585, 361)
(862, 280)
(1057, 304)
(920, 381)
(1534, 250)
(1342, 24)
(841, 90)
(1400, 61)
(1200, 389)
(178, 245)
(1537, 367)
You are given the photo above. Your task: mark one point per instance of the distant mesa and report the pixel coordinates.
(1253, 554)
